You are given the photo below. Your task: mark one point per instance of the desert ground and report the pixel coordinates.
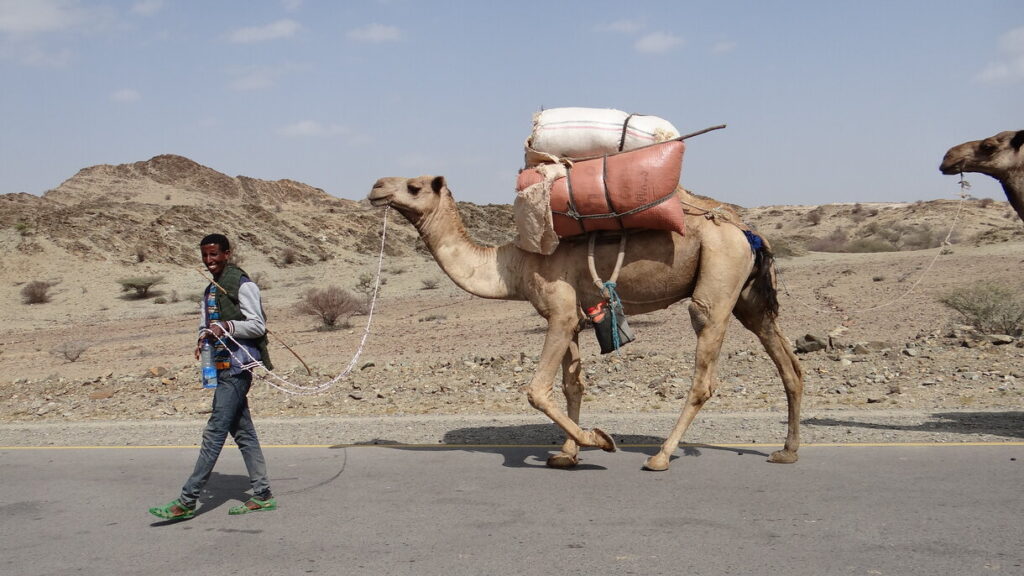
(93, 353)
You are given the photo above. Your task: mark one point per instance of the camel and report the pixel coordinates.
(998, 156)
(713, 264)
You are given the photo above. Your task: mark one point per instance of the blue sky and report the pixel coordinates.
(824, 101)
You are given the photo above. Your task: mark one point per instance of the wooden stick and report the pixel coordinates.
(678, 138)
(699, 132)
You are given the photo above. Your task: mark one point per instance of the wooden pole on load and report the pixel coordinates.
(699, 132)
(678, 138)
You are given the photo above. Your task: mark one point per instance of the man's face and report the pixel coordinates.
(214, 258)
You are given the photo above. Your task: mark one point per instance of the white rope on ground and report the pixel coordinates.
(283, 384)
(964, 186)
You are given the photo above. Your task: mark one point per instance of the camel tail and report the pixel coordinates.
(762, 279)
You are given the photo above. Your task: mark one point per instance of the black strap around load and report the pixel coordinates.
(625, 127)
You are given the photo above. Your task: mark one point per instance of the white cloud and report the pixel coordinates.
(249, 78)
(147, 7)
(30, 30)
(273, 31)
(22, 18)
(254, 78)
(723, 47)
(657, 43)
(311, 128)
(1009, 68)
(126, 95)
(376, 34)
(1013, 41)
(624, 26)
(37, 57)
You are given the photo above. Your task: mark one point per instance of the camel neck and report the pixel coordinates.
(479, 270)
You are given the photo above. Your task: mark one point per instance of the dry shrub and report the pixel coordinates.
(331, 305)
(36, 292)
(70, 351)
(989, 308)
(862, 245)
(140, 284)
(815, 216)
(366, 286)
(787, 248)
(921, 238)
(261, 280)
(834, 242)
(289, 256)
(429, 283)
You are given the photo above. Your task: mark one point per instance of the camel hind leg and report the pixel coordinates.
(709, 322)
(755, 317)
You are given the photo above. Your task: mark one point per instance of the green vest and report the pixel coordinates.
(230, 280)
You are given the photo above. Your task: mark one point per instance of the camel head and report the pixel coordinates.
(998, 156)
(414, 198)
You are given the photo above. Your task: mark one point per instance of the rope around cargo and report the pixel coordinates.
(281, 382)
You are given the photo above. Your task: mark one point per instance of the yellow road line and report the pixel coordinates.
(549, 446)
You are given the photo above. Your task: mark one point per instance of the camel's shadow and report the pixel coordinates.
(529, 445)
(1008, 424)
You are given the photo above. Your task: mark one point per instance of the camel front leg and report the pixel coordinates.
(561, 331)
(573, 386)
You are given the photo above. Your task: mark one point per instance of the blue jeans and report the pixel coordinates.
(230, 415)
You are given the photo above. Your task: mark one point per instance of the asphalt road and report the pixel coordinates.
(898, 509)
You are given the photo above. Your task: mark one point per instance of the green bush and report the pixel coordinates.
(989, 308)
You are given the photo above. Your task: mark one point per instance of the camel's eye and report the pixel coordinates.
(414, 190)
(988, 146)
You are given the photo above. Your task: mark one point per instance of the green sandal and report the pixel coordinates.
(254, 505)
(168, 512)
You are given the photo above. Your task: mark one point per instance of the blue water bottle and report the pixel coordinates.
(209, 368)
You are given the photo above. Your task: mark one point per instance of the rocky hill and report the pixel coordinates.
(156, 209)
(853, 276)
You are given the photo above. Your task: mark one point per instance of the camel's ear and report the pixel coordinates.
(1018, 140)
(438, 184)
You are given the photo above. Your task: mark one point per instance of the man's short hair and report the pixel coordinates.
(219, 239)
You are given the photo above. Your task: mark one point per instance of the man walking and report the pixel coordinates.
(234, 323)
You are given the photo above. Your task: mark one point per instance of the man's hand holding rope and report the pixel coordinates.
(215, 331)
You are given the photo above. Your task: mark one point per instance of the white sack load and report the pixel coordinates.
(572, 133)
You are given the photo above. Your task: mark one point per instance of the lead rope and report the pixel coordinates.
(282, 383)
(964, 195)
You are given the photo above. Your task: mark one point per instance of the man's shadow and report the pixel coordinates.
(220, 489)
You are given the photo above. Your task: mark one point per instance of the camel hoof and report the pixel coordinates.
(657, 463)
(604, 441)
(783, 457)
(562, 460)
